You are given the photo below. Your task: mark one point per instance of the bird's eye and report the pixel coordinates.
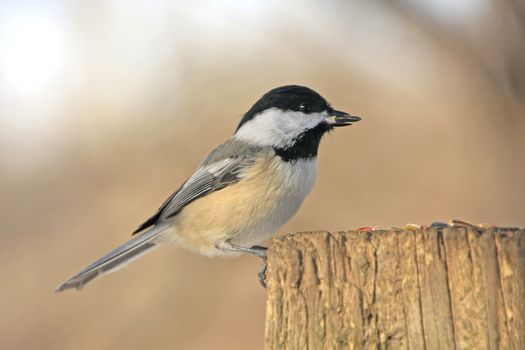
(305, 107)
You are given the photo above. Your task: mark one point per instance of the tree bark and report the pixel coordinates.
(446, 288)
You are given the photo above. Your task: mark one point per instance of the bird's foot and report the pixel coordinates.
(261, 274)
(256, 250)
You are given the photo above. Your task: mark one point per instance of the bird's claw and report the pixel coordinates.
(261, 274)
(260, 251)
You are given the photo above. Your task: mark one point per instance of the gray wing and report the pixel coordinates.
(224, 166)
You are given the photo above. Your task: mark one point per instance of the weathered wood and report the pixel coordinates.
(451, 288)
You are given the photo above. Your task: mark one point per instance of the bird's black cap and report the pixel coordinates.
(288, 98)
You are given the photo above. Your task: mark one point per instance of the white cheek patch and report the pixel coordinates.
(277, 128)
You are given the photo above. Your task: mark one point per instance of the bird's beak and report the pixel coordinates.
(338, 118)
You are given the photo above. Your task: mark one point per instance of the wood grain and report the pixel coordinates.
(450, 288)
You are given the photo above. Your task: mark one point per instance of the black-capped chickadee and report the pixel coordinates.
(246, 188)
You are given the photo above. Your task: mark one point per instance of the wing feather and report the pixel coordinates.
(208, 178)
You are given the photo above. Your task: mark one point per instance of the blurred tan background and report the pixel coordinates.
(107, 106)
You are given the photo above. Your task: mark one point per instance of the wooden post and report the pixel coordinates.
(450, 288)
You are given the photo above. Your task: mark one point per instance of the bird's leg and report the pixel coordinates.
(257, 251)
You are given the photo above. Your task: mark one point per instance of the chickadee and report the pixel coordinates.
(246, 188)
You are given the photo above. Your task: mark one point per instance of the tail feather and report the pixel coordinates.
(115, 259)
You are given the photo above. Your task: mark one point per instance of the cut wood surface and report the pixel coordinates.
(449, 288)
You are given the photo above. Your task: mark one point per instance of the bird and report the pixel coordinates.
(245, 189)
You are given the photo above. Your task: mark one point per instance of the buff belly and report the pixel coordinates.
(249, 211)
